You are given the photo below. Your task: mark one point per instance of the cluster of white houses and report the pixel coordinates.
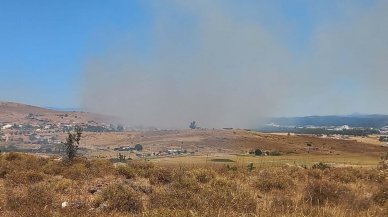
(41, 131)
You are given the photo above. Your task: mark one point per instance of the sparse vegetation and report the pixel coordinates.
(34, 186)
(126, 171)
(118, 197)
(324, 192)
(320, 166)
(121, 157)
(120, 128)
(383, 138)
(274, 153)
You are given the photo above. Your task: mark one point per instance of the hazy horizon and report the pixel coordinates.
(56, 108)
(222, 63)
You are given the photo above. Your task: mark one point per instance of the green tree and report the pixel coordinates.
(138, 147)
(72, 143)
(258, 152)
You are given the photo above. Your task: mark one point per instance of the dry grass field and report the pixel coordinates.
(209, 141)
(345, 160)
(36, 186)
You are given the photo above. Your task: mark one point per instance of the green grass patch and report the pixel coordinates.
(222, 160)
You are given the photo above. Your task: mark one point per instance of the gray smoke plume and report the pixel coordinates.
(207, 63)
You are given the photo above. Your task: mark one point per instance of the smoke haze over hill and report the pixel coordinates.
(212, 62)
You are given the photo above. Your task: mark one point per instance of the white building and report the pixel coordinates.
(7, 126)
(344, 127)
(384, 130)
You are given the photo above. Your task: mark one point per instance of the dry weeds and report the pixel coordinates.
(33, 186)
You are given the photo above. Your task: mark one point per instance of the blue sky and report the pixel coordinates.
(46, 45)
(43, 45)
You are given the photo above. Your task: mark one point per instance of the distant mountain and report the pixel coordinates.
(354, 120)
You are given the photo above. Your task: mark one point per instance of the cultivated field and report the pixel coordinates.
(205, 145)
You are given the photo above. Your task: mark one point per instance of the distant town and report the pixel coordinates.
(41, 131)
(38, 134)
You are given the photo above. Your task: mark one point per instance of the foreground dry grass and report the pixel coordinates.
(33, 186)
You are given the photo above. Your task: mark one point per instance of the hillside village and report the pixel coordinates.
(47, 133)
(43, 131)
(37, 133)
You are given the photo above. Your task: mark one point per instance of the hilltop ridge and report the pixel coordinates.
(12, 112)
(354, 120)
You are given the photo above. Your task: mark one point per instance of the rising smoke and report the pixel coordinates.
(204, 62)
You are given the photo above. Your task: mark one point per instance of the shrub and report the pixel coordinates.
(381, 196)
(120, 198)
(37, 201)
(143, 169)
(12, 156)
(61, 185)
(297, 173)
(39, 195)
(282, 203)
(185, 180)
(53, 167)
(320, 166)
(315, 174)
(344, 175)
(373, 175)
(138, 147)
(383, 138)
(258, 152)
(230, 168)
(24, 178)
(274, 153)
(121, 157)
(3, 172)
(360, 203)
(100, 168)
(76, 171)
(204, 175)
(322, 192)
(126, 171)
(273, 180)
(161, 176)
